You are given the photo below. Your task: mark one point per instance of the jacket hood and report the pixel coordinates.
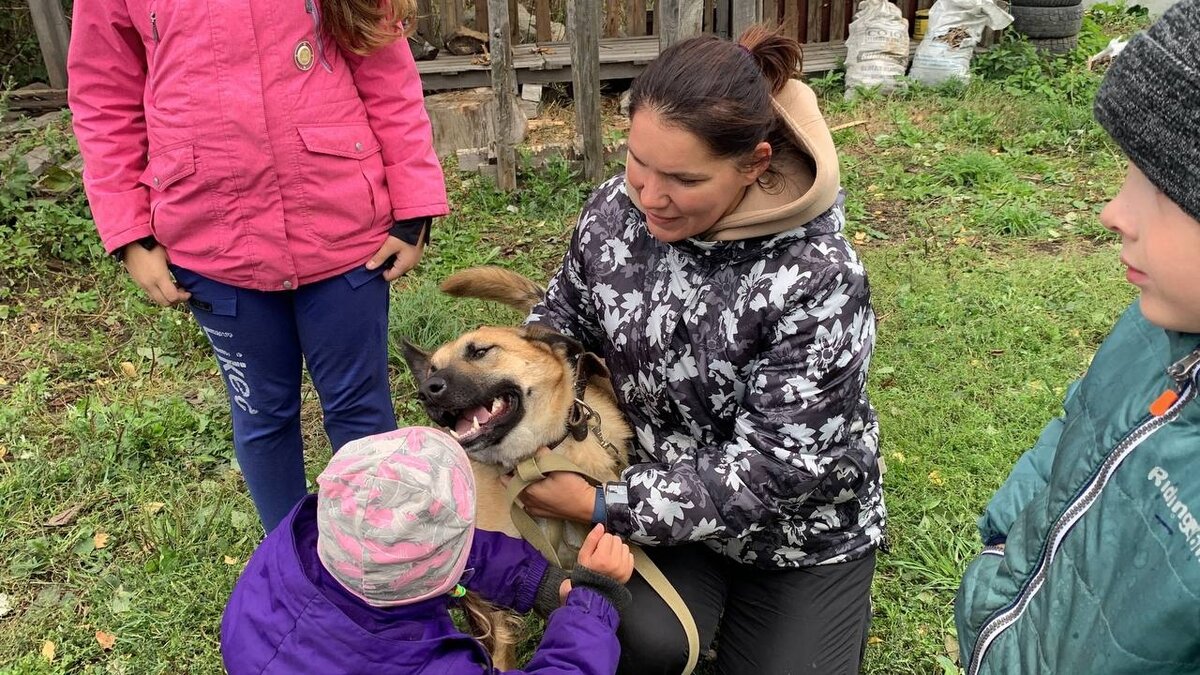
(805, 191)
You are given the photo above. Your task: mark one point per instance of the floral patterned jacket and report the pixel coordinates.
(742, 367)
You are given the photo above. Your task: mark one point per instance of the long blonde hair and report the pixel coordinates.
(362, 26)
(488, 624)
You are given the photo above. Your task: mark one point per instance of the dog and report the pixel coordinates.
(504, 393)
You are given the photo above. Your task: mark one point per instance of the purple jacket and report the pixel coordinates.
(287, 615)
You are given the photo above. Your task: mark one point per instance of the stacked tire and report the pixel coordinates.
(1051, 25)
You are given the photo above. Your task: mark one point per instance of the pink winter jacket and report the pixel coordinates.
(254, 154)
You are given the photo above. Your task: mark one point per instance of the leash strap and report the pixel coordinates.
(534, 469)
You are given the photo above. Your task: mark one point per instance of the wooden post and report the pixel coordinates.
(583, 23)
(542, 20)
(449, 16)
(637, 18)
(504, 88)
(791, 19)
(681, 19)
(53, 37)
(745, 14)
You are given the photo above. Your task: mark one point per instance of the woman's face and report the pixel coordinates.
(684, 190)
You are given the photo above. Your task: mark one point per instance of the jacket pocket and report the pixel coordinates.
(177, 203)
(343, 180)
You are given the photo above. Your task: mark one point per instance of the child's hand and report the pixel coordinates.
(606, 554)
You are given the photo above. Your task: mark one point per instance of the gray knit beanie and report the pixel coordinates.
(1149, 103)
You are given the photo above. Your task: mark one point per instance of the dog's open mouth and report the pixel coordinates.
(487, 423)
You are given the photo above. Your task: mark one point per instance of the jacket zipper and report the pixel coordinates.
(1182, 372)
(154, 26)
(310, 6)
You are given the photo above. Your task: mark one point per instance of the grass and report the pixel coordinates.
(975, 209)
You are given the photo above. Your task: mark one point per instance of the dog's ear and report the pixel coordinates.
(563, 345)
(589, 365)
(417, 360)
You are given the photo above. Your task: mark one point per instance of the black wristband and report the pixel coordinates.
(412, 231)
(547, 599)
(613, 590)
(148, 242)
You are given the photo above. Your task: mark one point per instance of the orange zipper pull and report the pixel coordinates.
(1163, 403)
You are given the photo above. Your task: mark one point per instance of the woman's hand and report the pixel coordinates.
(606, 554)
(561, 494)
(149, 270)
(407, 257)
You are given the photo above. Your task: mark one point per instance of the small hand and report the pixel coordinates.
(407, 257)
(149, 269)
(606, 554)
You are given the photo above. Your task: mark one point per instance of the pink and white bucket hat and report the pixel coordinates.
(396, 516)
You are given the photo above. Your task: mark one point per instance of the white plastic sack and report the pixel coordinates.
(877, 47)
(1106, 55)
(955, 27)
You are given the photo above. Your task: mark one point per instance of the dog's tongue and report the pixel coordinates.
(471, 420)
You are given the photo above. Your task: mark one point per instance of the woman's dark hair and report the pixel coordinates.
(721, 91)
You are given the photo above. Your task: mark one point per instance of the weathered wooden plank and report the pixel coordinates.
(721, 21)
(637, 18)
(544, 63)
(770, 12)
(745, 14)
(681, 19)
(542, 20)
(425, 23)
(481, 17)
(583, 18)
(504, 88)
(837, 19)
(53, 36)
(449, 17)
(813, 34)
(791, 18)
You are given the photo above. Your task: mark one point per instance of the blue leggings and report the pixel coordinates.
(338, 327)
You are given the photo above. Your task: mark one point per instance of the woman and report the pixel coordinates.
(271, 164)
(735, 318)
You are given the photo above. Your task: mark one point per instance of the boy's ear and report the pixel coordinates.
(417, 360)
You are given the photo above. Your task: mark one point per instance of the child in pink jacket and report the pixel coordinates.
(271, 164)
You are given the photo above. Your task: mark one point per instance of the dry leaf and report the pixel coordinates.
(874, 640)
(100, 540)
(935, 477)
(3, 454)
(129, 369)
(5, 605)
(153, 507)
(106, 640)
(35, 328)
(66, 517)
(48, 650)
(951, 644)
(230, 560)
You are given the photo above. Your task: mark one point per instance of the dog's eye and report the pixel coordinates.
(476, 352)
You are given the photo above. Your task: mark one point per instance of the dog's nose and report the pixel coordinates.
(432, 388)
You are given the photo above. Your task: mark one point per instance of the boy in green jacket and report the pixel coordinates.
(1092, 556)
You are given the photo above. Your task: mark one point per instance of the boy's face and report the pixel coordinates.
(1160, 248)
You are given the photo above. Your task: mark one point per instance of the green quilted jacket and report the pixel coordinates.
(1100, 568)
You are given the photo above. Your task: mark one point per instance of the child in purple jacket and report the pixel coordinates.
(360, 577)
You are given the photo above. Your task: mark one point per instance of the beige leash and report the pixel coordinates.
(534, 469)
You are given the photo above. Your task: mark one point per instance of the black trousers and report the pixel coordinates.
(811, 620)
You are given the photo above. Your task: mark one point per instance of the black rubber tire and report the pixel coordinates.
(1047, 22)
(1046, 3)
(1060, 45)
